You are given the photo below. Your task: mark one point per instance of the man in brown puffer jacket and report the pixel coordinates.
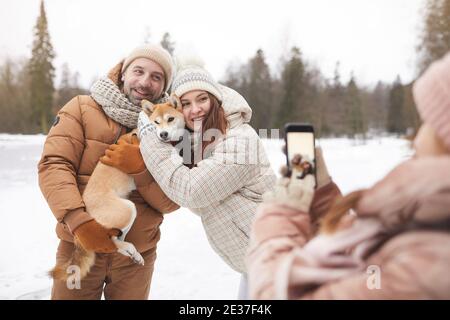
(84, 128)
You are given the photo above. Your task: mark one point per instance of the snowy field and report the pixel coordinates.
(186, 267)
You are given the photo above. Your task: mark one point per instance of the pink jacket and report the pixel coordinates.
(286, 261)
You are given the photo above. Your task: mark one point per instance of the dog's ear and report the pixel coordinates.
(175, 101)
(147, 106)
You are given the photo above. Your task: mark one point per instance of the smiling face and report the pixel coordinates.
(427, 143)
(143, 79)
(196, 106)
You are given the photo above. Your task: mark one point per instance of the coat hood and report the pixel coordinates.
(237, 110)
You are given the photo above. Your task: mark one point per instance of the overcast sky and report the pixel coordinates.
(374, 38)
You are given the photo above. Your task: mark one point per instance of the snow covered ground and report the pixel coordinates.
(186, 267)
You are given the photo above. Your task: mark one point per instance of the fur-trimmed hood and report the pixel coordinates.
(236, 107)
(115, 74)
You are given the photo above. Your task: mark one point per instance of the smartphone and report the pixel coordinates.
(299, 139)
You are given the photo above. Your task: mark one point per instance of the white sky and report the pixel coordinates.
(374, 38)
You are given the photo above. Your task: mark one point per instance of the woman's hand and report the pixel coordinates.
(144, 125)
(291, 190)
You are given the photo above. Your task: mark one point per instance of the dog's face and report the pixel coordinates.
(167, 117)
(301, 166)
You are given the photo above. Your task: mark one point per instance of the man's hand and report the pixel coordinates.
(94, 237)
(125, 155)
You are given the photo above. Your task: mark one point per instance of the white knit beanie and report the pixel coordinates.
(191, 75)
(155, 53)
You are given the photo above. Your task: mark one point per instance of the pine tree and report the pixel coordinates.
(14, 97)
(259, 91)
(68, 87)
(378, 106)
(8, 96)
(167, 43)
(355, 115)
(42, 74)
(64, 90)
(335, 111)
(435, 37)
(320, 122)
(411, 116)
(395, 120)
(233, 78)
(311, 107)
(292, 86)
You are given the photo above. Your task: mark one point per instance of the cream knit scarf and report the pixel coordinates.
(115, 104)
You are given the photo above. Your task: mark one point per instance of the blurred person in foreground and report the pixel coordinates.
(397, 244)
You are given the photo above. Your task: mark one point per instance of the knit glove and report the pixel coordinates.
(94, 237)
(145, 126)
(291, 190)
(125, 155)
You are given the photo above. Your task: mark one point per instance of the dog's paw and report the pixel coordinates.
(129, 250)
(137, 258)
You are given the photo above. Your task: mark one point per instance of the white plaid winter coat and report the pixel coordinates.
(225, 188)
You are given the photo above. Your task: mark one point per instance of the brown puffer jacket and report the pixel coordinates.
(81, 134)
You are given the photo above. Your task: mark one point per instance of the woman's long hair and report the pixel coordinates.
(215, 119)
(341, 207)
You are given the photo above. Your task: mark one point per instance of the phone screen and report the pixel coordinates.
(301, 143)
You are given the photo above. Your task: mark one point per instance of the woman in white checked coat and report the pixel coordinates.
(227, 182)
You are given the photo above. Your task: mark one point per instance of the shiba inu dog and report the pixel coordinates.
(106, 194)
(167, 117)
(106, 200)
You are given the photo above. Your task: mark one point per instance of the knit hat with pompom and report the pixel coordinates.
(191, 75)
